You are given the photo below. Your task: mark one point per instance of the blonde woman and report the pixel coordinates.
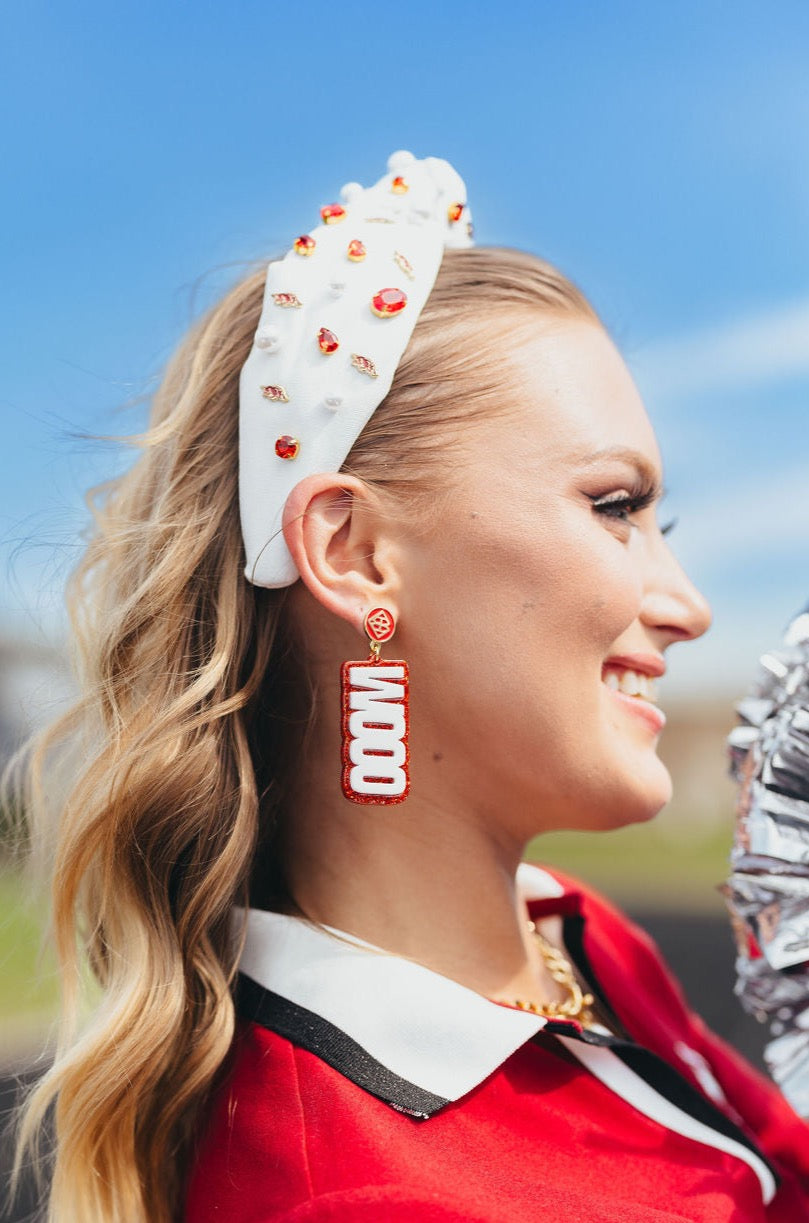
(318, 731)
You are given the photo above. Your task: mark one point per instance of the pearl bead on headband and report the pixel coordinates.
(338, 311)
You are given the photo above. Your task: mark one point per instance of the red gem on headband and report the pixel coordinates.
(388, 302)
(332, 213)
(275, 394)
(286, 300)
(365, 365)
(287, 447)
(404, 265)
(327, 341)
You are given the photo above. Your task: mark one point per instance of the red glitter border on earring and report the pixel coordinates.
(381, 800)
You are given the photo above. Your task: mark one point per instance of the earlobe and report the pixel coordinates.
(335, 535)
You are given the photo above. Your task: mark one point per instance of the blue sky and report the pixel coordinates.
(657, 153)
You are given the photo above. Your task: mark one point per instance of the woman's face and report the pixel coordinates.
(539, 609)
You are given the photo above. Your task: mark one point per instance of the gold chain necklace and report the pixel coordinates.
(577, 1005)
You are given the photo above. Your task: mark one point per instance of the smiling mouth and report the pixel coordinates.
(636, 692)
(630, 683)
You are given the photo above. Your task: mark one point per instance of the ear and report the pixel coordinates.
(341, 543)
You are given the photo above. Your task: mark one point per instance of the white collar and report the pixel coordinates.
(420, 1040)
(446, 1039)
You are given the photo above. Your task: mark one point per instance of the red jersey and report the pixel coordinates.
(363, 1086)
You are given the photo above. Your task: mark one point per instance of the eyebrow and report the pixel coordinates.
(626, 455)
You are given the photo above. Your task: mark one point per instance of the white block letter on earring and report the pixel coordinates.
(375, 700)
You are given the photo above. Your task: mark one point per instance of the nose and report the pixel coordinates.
(671, 601)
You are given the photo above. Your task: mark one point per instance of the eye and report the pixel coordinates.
(621, 504)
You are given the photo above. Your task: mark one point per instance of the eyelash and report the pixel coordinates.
(621, 507)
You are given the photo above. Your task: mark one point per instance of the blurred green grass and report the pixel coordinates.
(659, 866)
(29, 988)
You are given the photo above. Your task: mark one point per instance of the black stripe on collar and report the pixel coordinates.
(573, 929)
(309, 1031)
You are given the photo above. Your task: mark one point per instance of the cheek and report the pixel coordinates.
(496, 587)
(611, 603)
(573, 587)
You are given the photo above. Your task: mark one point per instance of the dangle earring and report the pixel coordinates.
(376, 719)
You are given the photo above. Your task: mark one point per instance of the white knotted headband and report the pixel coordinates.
(338, 311)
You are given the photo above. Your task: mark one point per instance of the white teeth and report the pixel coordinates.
(632, 683)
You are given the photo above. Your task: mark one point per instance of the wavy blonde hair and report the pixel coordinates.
(173, 757)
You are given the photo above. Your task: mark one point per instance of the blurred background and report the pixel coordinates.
(656, 153)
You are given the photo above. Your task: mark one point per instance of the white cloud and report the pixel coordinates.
(763, 348)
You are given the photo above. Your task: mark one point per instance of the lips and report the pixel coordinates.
(650, 664)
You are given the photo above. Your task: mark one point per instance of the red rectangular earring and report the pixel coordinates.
(376, 720)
